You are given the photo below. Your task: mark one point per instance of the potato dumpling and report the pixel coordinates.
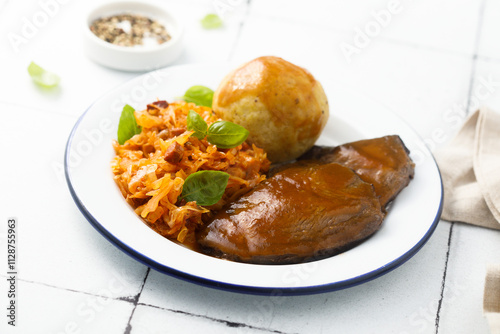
(282, 106)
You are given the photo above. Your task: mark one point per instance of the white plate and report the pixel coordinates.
(409, 224)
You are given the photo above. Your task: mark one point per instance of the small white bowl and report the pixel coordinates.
(137, 58)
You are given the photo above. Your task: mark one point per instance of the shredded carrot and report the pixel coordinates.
(151, 179)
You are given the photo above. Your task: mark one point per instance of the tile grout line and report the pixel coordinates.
(123, 298)
(475, 55)
(240, 29)
(443, 281)
(471, 83)
(62, 288)
(231, 324)
(488, 59)
(135, 301)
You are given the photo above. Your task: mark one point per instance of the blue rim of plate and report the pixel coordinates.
(242, 288)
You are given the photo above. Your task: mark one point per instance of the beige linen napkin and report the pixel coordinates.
(470, 168)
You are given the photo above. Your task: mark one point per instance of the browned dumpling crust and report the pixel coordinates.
(282, 106)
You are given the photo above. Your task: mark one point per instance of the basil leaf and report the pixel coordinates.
(127, 128)
(199, 95)
(196, 123)
(225, 134)
(42, 77)
(205, 187)
(211, 21)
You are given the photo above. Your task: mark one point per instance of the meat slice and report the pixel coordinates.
(383, 162)
(304, 212)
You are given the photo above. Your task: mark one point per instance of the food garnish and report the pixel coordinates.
(42, 77)
(226, 134)
(127, 128)
(205, 187)
(197, 124)
(223, 134)
(199, 95)
(211, 21)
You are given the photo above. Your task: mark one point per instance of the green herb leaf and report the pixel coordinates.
(42, 77)
(196, 123)
(225, 134)
(205, 187)
(199, 95)
(211, 21)
(127, 128)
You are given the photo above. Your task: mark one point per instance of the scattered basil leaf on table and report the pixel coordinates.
(211, 21)
(200, 95)
(226, 134)
(196, 123)
(205, 187)
(127, 128)
(42, 77)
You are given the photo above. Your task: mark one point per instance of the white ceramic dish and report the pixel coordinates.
(142, 58)
(410, 222)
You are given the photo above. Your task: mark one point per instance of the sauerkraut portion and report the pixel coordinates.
(150, 168)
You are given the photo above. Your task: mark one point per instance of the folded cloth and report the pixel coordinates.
(470, 169)
(491, 303)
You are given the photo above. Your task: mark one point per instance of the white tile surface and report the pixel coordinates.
(83, 81)
(57, 246)
(472, 249)
(488, 42)
(419, 65)
(46, 309)
(149, 320)
(486, 88)
(57, 47)
(444, 25)
(420, 85)
(211, 45)
(417, 283)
